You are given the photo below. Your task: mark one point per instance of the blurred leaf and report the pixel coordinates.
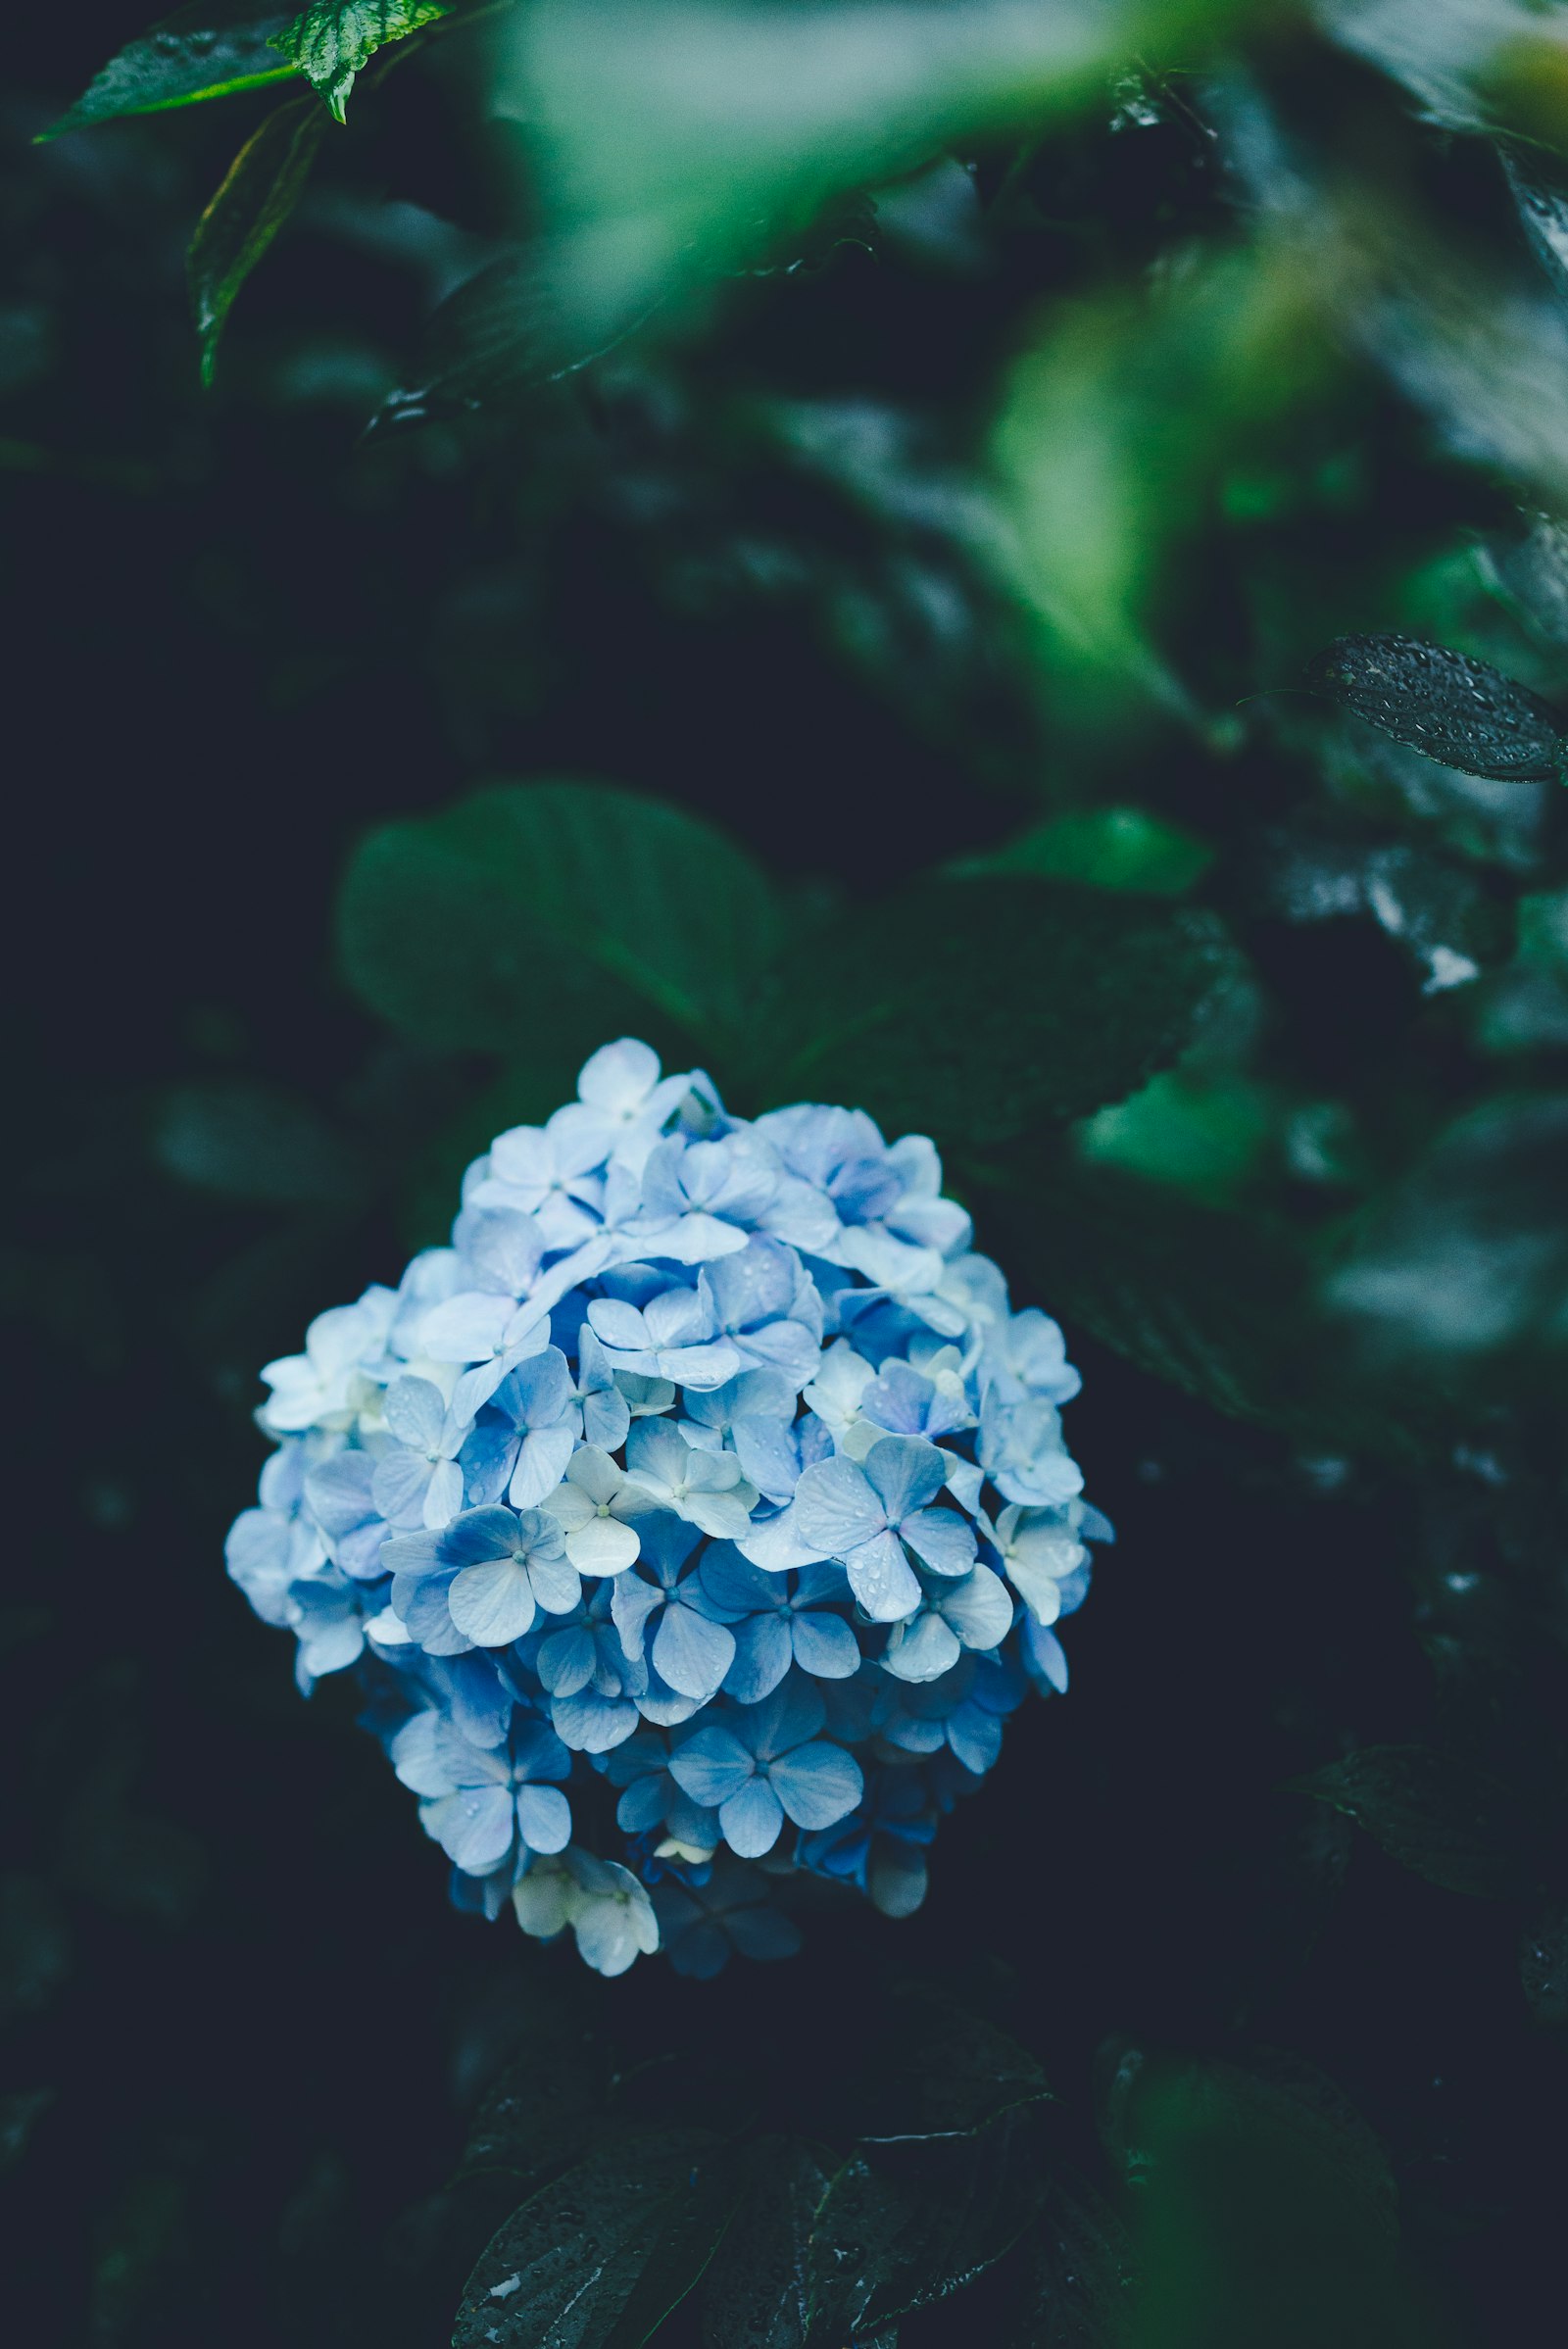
(264, 183)
(502, 333)
(1078, 2273)
(470, 928)
(756, 2293)
(1459, 711)
(1436, 1816)
(1468, 1254)
(1442, 53)
(1118, 432)
(1267, 2214)
(20, 2115)
(673, 138)
(257, 1142)
(912, 2231)
(143, 2238)
(968, 2075)
(1525, 1008)
(1104, 848)
(1544, 1966)
(205, 51)
(1206, 1132)
(131, 1862)
(331, 40)
(34, 1945)
(597, 2259)
(978, 1009)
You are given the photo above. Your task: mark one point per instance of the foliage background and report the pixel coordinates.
(1295, 359)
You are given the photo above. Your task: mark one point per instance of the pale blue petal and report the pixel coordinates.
(712, 1767)
(473, 1826)
(751, 1819)
(906, 1472)
(836, 1509)
(883, 1580)
(941, 1538)
(544, 1818)
(817, 1785)
(825, 1646)
(493, 1603)
(762, 1658)
(692, 1654)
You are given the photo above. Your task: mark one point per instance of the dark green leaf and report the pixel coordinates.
(1544, 1966)
(925, 2221)
(1460, 711)
(1077, 2274)
(205, 51)
(539, 2112)
(530, 905)
(954, 2074)
(976, 1009)
(34, 1945)
(20, 2115)
(264, 183)
(257, 1142)
(1434, 1815)
(597, 2259)
(756, 2293)
(1541, 195)
(1104, 848)
(503, 331)
(331, 40)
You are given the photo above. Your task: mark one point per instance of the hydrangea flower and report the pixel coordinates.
(694, 1521)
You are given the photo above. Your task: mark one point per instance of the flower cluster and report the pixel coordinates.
(704, 1501)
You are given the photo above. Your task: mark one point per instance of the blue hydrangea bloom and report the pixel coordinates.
(692, 1522)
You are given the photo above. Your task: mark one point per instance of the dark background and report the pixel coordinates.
(241, 2022)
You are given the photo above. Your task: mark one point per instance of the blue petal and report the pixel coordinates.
(692, 1654)
(712, 1767)
(817, 1784)
(751, 1819)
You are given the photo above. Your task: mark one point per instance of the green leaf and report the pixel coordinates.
(332, 39)
(597, 2259)
(977, 1009)
(505, 330)
(205, 51)
(539, 2111)
(1078, 2273)
(671, 137)
(1434, 1815)
(257, 1142)
(916, 2230)
(1104, 848)
(756, 2293)
(1460, 711)
(554, 906)
(968, 2075)
(261, 186)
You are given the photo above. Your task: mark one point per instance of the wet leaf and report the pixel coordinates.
(1434, 1815)
(205, 51)
(756, 2293)
(1078, 2269)
(1544, 1966)
(597, 2259)
(264, 183)
(331, 40)
(1460, 711)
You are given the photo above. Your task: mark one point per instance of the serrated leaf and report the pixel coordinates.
(598, 2258)
(331, 40)
(205, 51)
(756, 2292)
(261, 188)
(530, 902)
(1460, 711)
(1434, 1815)
(977, 1009)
